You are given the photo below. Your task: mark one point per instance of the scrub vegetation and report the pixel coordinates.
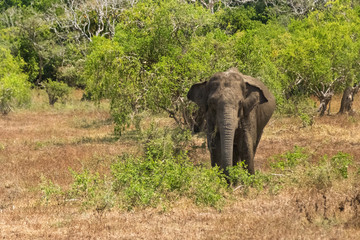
(97, 136)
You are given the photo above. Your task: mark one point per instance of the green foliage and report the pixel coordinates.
(307, 119)
(160, 48)
(114, 76)
(158, 51)
(40, 5)
(340, 163)
(256, 53)
(320, 175)
(91, 190)
(305, 55)
(14, 88)
(239, 19)
(289, 159)
(56, 91)
(49, 189)
(324, 54)
(328, 170)
(143, 182)
(163, 175)
(209, 187)
(238, 175)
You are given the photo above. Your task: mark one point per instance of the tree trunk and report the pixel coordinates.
(39, 80)
(347, 99)
(324, 102)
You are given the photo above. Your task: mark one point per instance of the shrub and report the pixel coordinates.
(56, 91)
(318, 176)
(209, 187)
(238, 175)
(289, 159)
(161, 176)
(91, 189)
(49, 189)
(340, 163)
(143, 182)
(165, 173)
(326, 171)
(14, 87)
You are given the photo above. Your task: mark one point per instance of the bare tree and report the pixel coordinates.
(297, 7)
(9, 17)
(348, 98)
(88, 17)
(324, 95)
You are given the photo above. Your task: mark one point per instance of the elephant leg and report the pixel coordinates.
(257, 141)
(237, 147)
(215, 149)
(236, 155)
(247, 152)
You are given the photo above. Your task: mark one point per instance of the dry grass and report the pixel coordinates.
(47, 142)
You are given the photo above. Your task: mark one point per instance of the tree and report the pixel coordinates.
(56, 91)
(14, 87)
(87, 18)
(321, 54)
(36, 45)
(348, 99)
(257, 52)
(296, 7)
(158, 51)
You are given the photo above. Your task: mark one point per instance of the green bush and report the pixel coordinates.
(91, 190)
(318, 176)
(340, 163)
(143, 182)
(165, 174)
(49, 189)
(161, 176)
(328, 170)
(14, 87)
(56, 91)
(238, 175)
(294, 167)
(209, 187)
(290, 159)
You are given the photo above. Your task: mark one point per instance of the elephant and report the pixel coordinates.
(237, 108)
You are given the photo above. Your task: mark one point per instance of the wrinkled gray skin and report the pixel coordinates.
(237, 109)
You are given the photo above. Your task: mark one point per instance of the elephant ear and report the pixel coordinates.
(197, 94)
(255, 85)
(256, 93)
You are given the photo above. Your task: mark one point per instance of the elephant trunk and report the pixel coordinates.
(227, 134)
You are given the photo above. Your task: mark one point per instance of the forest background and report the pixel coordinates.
(145, 54)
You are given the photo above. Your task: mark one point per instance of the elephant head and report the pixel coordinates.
(237, 109)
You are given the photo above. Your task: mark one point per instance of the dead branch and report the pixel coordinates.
(88, 18)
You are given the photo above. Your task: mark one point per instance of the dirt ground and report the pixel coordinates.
(46, 142)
